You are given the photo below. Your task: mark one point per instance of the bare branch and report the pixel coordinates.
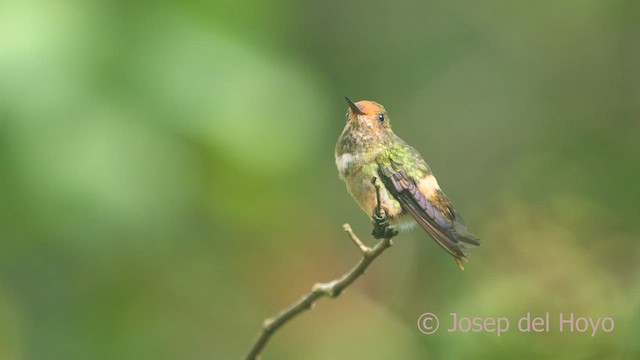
(363, 248)
(330, 289)
(376, 185)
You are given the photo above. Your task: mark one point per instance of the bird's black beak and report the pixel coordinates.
(353, 106)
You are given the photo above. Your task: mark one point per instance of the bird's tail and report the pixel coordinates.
(464, 236)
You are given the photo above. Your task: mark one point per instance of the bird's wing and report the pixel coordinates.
(435, 214)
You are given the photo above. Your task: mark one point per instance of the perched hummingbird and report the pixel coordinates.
(368, 149)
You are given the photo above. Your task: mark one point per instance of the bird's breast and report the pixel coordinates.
(359, 185)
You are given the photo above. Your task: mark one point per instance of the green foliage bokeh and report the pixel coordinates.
(167, 178)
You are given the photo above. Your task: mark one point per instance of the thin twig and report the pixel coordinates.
(376, 185)
(363, 248)
(330, 289)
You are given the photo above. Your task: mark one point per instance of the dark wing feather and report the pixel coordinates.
(437, 218)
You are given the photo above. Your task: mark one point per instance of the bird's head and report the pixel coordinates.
(367, 115)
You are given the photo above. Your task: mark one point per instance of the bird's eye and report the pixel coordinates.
(381, 117)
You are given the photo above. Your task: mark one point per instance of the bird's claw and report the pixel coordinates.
(381, 227)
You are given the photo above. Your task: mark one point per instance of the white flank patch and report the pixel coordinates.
(343, 162)
(406, 223)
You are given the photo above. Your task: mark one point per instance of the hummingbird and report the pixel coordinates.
(369, 151)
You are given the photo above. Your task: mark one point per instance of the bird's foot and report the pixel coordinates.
(381, 227)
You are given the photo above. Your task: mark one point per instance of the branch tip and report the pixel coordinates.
(376, 184)
(364, 249)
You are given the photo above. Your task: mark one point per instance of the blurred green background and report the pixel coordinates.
(167, 176)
